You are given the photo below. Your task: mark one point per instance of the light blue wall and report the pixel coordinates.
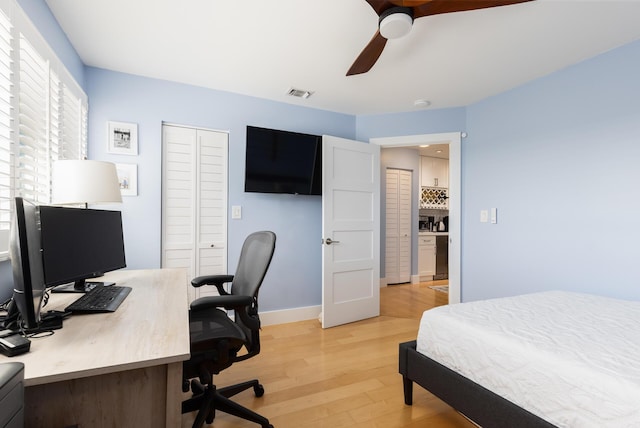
(294, 279)
(412, 123)
(559, 158)
(41, 16)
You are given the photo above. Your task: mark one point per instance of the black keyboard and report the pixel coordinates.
(100, 299)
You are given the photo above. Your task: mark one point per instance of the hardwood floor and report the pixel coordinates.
(345, 376)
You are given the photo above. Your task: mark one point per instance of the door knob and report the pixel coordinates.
(330, 241)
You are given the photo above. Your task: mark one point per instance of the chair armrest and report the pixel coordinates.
(237, 303)
(217, 280)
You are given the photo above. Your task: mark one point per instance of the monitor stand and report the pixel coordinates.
(80, 286)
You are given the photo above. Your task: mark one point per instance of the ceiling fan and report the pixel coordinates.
(396, 18)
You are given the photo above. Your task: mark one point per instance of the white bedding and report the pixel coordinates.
(572, 359)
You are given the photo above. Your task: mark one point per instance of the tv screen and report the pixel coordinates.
(283, 162)
(78, 244)
(26, 263)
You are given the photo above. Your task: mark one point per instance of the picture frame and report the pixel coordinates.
(122, 138)
(128, 178)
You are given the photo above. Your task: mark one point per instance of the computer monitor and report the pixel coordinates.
(78, 244)
(26, 263)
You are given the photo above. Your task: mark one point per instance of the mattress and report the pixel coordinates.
(572, 359)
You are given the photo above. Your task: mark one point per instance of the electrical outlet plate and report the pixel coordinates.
(484, 216)
(494, 215)
(236, 212)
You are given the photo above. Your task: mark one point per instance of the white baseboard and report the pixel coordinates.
(415, 279)
(383, 282)
(290, 315)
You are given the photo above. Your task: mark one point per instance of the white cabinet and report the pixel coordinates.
(426, 256)
(434, 172)
(194, 202)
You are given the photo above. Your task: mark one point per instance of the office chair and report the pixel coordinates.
(216, 339)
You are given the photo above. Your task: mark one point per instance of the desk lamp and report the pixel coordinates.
(84, 182)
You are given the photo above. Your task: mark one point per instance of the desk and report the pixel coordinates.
(119, 369)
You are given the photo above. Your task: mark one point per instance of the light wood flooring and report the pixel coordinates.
(345, 376)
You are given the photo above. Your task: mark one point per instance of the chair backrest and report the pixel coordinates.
(255, 258)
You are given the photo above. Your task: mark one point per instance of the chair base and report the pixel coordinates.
(207, 399)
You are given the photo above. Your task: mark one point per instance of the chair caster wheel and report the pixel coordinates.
(259, 391)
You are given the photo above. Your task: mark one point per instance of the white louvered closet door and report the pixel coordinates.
(398, 227)
(194, 202)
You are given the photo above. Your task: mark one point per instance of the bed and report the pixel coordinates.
(538, 360)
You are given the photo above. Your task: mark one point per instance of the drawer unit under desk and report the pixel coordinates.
(427, 240)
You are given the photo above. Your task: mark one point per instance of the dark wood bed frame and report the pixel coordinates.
(477, 403)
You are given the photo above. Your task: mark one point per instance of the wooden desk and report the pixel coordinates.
(122, 369)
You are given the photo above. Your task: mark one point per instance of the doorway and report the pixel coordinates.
(453, 140)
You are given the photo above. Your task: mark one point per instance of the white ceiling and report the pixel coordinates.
(263, 48)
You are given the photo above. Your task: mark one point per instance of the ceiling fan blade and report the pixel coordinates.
(380, 5)
(369, 55)
(446, 6)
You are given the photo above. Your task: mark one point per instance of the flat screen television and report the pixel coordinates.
(283, 162)
(26, 263)
(78, 244)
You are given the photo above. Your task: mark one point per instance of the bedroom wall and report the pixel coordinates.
(41, 16)
(566, 144)
(294, 278)
(559, 159)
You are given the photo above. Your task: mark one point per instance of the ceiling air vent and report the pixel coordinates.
(300, 93)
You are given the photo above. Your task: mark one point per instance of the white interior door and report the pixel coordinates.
(398, 226)
(350, 230)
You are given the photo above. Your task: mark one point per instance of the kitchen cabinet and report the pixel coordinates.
(434, 172)
(426, 256)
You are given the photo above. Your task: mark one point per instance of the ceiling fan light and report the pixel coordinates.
(395, 24)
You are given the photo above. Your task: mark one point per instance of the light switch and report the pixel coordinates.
(236, 212)
(494, 215)
(484, 216)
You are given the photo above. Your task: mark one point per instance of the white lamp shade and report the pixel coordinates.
(84, 182)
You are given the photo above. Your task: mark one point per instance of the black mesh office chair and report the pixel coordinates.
(216, 339)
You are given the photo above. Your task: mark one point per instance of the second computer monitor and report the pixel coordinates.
(79, 244)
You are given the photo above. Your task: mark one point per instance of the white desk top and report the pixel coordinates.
(151, 327)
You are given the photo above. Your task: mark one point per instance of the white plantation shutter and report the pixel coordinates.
(32, 153)
(43, 114)
(6, 131)
(73, 146)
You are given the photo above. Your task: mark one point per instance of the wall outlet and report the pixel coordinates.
(484, 216)
(236, 212)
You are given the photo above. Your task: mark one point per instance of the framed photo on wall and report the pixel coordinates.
(128, 178)
(122, 138)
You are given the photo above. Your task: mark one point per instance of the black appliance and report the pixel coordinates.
(442, 257)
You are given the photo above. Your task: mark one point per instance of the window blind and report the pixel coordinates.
(43, 114)
(6, 93)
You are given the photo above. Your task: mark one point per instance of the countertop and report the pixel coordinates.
(427, 233)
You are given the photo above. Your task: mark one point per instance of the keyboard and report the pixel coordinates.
(100, 299)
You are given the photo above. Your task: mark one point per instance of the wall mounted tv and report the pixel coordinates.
(283, 162)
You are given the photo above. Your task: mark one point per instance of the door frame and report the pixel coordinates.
(454, 140)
